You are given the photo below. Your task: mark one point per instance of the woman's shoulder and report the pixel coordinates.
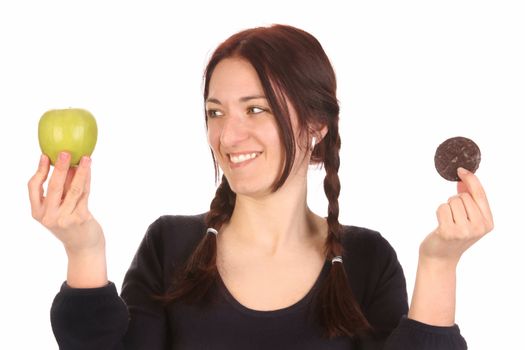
(181, 223)
(365, 242)
(179, 226)
(176, 234)
(361, 234)
(370, 260)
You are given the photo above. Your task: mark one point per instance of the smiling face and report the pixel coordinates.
(242, 131)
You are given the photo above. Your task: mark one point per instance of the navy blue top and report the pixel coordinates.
(98, 318)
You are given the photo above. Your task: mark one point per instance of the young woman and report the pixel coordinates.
(259, 270)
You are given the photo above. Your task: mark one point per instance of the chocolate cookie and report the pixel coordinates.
(454, 153)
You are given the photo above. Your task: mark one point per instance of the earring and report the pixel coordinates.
(313, 143)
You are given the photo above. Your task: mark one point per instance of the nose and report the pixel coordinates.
(234, 130)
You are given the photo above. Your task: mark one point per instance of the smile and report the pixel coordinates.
(243, 157)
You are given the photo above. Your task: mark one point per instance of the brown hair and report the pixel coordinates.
(291, 65)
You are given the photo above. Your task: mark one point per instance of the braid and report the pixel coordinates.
(339, 313)
(221, 207)
(194, 281)
(332, 188)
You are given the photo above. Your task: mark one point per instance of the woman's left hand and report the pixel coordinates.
(462, 221)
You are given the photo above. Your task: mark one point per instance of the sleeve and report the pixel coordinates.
(98, 318)
(90, 318)
(388, 306)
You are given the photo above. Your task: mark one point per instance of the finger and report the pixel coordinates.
(444, 215)
(35, 186)
(69, 179)
(474, 187)
(77, 187)
(459, 213)
(55, 188)
(82, 206)
(462, 187)
(88, 182)
(473, 212)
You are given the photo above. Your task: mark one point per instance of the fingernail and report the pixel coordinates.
(42, 159)
(64, 156)
(85, 161)
(462, 171)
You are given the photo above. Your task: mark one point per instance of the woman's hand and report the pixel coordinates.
(462, 221)
(64, 211)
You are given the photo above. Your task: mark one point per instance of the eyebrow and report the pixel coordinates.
(242, 99)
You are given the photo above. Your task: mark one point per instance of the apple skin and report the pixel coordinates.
(73, 130)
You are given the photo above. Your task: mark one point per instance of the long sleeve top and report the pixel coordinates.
(98, 318)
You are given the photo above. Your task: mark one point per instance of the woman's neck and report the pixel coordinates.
(277, 222)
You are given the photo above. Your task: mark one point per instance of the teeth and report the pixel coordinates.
(243, 157)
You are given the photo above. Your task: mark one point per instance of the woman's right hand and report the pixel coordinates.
(64, 211)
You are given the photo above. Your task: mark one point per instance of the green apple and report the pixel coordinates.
(73, 130)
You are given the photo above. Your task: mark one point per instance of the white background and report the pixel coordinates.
(410, 73)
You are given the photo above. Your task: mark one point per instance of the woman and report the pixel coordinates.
(259, 270)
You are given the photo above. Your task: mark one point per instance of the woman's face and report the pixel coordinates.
(242, 130)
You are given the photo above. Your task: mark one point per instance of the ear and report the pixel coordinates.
(319, 132)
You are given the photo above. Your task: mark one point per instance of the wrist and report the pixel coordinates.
(83, 240)
(87, 268)
(434, 297)
(77, 253)
(437, 265)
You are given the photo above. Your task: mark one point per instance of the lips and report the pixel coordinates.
(239, 159)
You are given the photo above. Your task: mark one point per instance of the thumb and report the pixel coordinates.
(462, 187)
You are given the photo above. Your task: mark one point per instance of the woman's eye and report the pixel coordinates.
(256, 110)
(212, 113)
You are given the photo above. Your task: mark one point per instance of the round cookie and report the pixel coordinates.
(454, 153)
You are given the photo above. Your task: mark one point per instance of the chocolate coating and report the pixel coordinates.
(454, 153)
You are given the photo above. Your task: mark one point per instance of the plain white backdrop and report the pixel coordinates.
(410, 75)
